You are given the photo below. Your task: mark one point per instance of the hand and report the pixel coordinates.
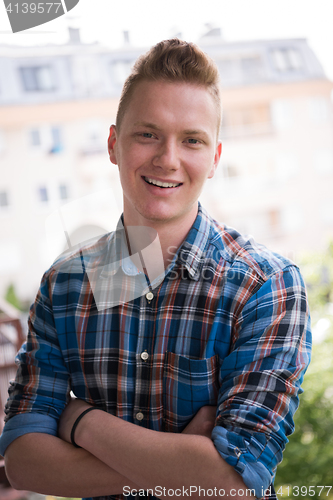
(203, 422)
(72, 411)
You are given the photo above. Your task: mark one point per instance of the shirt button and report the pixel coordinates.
(237, 452)
(144, 355)
(139, 416)
(149, 296)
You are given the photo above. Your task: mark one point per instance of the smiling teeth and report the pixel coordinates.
(162, 184)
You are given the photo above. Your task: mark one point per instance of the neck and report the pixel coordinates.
(153, 237)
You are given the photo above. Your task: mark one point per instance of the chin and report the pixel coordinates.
(157, 217)
(164, 216)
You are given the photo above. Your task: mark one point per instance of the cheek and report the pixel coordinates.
(134, 157)
(201, 170)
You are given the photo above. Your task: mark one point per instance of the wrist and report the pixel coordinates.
(78, 425)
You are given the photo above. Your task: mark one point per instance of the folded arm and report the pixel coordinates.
(154, 459)
(46, 464)
(50, 465)
(261, 378)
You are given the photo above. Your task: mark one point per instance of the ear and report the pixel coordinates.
(112, 144)
(217, 157)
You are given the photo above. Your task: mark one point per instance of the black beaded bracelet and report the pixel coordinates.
(77, 422)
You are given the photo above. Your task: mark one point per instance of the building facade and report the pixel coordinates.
(58, 188)
(276, 175)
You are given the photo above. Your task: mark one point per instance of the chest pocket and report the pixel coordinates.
(188, 384)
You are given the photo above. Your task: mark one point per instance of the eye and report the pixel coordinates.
(193, 141)
(148, 135)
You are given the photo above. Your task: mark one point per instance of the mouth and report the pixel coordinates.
(160, 184)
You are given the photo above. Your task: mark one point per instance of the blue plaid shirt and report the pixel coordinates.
(226, 325)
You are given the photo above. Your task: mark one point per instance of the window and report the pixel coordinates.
(120, 71)
(248, 68)
(228, 69)
(43, 194)
(37, 78)
(287, 59)
(247, 120)
(56, 140)
(4, 199)
(46, 138)
(248, 115)
(95, 131)
(251, 68)
(282, 116)
(35, 139)
(63, 192)
(94, 137)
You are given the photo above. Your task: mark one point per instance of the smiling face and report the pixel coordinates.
(165, 150)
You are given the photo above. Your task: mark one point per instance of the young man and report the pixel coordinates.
(194, 379)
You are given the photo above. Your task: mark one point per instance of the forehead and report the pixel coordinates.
(176, 103)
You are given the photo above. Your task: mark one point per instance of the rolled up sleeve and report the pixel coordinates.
(261, 379)
(25, 423)
(41, 387)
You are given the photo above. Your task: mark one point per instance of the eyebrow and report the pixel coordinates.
(146, 124)
(201, 133)
(195, 132)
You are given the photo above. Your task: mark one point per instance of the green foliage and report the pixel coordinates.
(308, 458)
(12, 298)
(317, 269)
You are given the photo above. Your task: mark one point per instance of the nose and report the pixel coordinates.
(167, 156)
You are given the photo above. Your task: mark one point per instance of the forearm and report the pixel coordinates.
(46, 464)
(150, 459)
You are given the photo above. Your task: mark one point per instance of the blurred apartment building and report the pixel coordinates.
(276, 175)
(58, 188)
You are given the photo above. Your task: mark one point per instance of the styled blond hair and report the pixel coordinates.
(173, 61)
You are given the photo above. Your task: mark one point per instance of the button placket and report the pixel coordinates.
(139, 416)
(144, 355)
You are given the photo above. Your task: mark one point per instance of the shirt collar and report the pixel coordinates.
(193, 251)
(118, 257)
(118, 254)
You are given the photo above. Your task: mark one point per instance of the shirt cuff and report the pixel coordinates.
(248, 456)
(25, 423)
